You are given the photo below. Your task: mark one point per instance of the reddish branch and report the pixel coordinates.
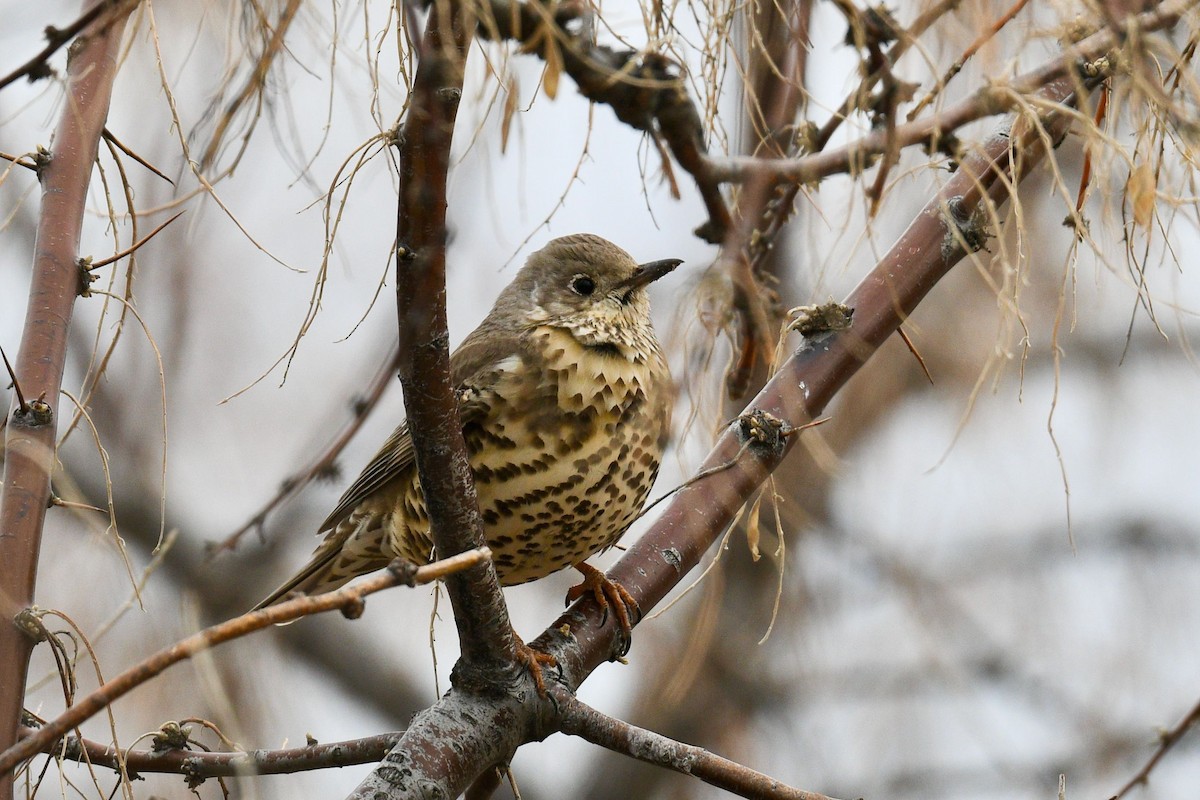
(485, 634)
(348, 600)
(621, 737)
(30, 436)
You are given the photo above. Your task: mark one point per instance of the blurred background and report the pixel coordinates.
(970, 586)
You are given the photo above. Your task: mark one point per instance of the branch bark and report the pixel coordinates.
(448, 745)
(485, 634)
(587, 723)
(30, 436)
(349, 600)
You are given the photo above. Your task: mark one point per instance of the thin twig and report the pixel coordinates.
(1166, 740)
(104, 262)
(117, 143)
(349, 600)
(36, 68)
(196, 764)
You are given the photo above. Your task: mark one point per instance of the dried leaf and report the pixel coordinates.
(510, 110)
(753, 532)
(1141, 193)
(554, 68)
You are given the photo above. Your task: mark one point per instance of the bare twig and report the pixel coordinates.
(37, 67)
(325, 461)
(935, 128)
(587, 723)
(133, 247)
(349, 600)
(644, 90)
(117, 143)
(1166, 740)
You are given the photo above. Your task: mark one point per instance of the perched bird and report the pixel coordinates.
(565, 400)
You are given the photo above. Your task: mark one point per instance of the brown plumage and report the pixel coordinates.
(565, 401)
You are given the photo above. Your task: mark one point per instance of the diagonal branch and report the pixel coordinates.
(349, 600)
(600, 729)
(805, 384)
(29, 442)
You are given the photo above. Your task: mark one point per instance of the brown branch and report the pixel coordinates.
(934, 129)
(805, 384)
(30, 436)
(325, 462)
(37, 67)
(104, 262)
(19, 161)
(450, 744)
(589, 724)
(349, 600)
(117, 143)
(645, 90)
(485, 635)
(1166, 740)
(200, 765)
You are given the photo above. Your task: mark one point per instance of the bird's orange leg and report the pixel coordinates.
(534, 660)
(608, 594)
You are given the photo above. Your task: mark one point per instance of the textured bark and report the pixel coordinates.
(30, 436)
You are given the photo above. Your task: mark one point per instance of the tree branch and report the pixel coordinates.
(198, 764)
(1167, 740)
(349, 600)
(600, 729)
(936, 128)
(805, 384)
(487, 646)
(30, 437)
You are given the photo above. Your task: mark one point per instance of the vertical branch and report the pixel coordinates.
(30, 436)
(424, 364)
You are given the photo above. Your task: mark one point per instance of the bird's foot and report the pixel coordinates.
(534, 660)
(608, 594)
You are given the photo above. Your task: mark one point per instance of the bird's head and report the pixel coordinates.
(588, 286)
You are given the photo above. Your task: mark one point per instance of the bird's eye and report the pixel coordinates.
(583, 285)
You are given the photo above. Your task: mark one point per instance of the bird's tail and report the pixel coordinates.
(329, 569)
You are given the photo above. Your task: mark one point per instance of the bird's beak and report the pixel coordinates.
(647, 274)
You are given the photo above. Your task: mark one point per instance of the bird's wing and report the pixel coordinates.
(389, 463)
(473, 367)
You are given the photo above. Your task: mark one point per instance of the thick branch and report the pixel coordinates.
(587, 723)
(29, 445)
(806, 383)
(485, 634)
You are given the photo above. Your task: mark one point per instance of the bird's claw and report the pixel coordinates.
(609, 594)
